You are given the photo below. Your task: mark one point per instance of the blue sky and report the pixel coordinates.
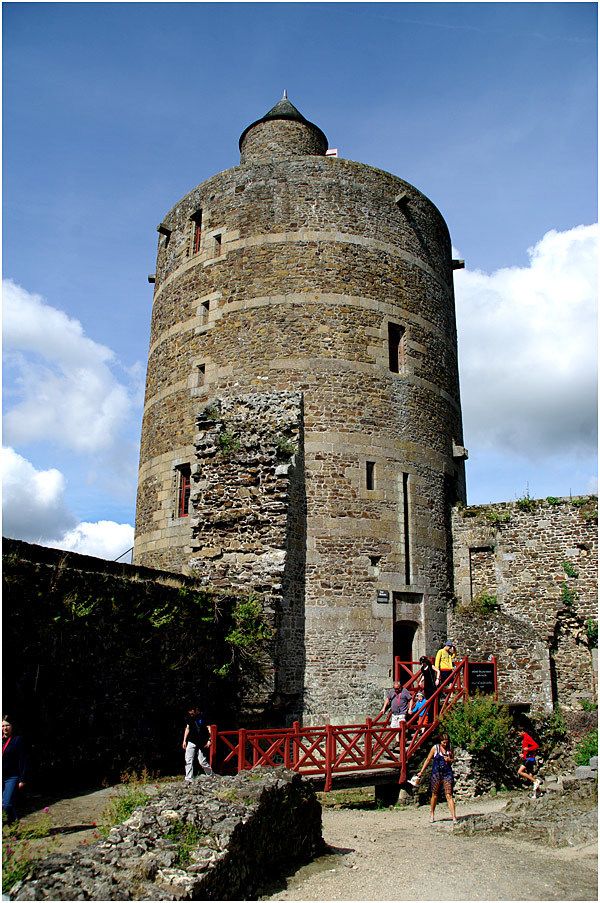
(112, 112)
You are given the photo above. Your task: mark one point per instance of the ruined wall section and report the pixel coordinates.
(539, 559)
(248, 523)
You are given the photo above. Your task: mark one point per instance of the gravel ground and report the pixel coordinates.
(398, 855)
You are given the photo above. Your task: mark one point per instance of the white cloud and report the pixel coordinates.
(527, 349)
(65, 388)
(34, 509)
(103, 539)
(33, 505)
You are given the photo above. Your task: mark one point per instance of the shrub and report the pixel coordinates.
(228, 444)
(591, 629)
(588, 706)
(570, 569)
(497, 517)
(485, 603)
(526, 503)
(480, 726)
(587, 748)
(557, 726)
(552, 500)
(247, 636)
(567, 594)
(284, 447)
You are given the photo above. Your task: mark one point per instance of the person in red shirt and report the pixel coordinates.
(528, 750)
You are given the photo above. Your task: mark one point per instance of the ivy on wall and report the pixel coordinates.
(100, 667)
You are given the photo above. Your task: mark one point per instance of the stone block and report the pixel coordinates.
(584, 772)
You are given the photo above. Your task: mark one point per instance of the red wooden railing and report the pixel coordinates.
(334, 750)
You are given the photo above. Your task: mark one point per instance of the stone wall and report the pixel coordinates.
(247, 832)
(248, 521)
(101, 659)
(539, 559)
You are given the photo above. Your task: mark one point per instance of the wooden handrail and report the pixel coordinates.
(338, 749)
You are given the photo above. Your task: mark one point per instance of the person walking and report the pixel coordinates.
(528, 765)
(196, 739)
(428, 676)
(442, 756)
(397, 700)
(444, 662)
(14, 767)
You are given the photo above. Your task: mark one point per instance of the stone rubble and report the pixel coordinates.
(249, 829)
(564, 815)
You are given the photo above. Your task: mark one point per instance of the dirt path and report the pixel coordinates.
(393, 854)
(398, 855)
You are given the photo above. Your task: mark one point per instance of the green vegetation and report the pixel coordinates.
(16, 863)
(591, 629)
(580, 501)
(552, 500)
(588, 706)
(570, 569)
(285, 447)
(185, 837)
(482, 605)
(228, 443)
(248, 635)
(352, 798)
(556, 726)
(120, 808)
(212, 412)
(480, 726)
(526, 503)
(17, 857)
(485, 603)
(568, 595)
(587, 748)
(497, 517)
(588, 507)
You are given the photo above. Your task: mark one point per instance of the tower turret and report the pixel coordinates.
(282, 132)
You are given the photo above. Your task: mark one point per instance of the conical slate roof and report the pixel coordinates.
(283, 109)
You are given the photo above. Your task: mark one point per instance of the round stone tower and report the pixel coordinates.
(302, 429)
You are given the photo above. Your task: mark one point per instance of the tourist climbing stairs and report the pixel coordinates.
(334, 751)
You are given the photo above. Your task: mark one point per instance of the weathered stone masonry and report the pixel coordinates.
(249, 523)
(540, 560)
(297, 272)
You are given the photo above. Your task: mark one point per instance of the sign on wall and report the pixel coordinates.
(481, 677)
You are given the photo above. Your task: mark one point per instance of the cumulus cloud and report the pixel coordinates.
(64, 387)
(527, 349)
(34, 509)
(103, 539)
(33, 504)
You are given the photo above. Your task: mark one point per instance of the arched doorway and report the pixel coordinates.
(404, 640)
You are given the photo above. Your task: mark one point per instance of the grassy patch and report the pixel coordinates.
(186, 838)
(587, 748)
(352, 798)
(17, 855)
(120, 808)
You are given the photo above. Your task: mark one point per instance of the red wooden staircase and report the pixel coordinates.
(332, 751)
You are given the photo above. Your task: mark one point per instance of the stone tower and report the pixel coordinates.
(302, 430)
